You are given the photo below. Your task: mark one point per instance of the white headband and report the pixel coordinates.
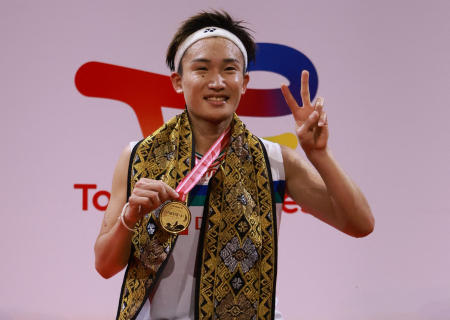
(207, 33)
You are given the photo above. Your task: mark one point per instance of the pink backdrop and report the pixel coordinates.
(384, 72)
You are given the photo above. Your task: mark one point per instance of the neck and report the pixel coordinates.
(206, 133)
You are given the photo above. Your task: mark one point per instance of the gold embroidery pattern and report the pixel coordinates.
(165, 155)
(237, 268)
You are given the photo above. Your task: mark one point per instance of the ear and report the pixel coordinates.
(175, 77)
(246, 80)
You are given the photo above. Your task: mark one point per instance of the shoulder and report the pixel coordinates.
(273, 149)
(284, 157)
(131, 145)
(275, 157)
(121, 170)
(297, 168)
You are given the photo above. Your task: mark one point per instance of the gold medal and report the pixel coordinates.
(174, 217)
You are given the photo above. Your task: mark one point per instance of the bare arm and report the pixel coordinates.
(323, 190)
(327, 192)
(113, 244)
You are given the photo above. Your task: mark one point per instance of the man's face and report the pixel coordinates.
(213, 79)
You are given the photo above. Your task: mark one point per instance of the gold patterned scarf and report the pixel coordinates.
(237, 249)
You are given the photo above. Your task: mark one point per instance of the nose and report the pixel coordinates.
(216, 82)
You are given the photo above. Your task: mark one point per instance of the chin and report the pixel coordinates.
(215, 115)
(221, 115)
(218, 119)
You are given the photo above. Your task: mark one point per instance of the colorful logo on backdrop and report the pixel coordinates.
(147, 93)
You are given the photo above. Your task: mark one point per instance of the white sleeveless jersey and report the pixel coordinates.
(174, 294)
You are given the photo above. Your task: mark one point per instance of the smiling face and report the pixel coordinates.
(213, 79)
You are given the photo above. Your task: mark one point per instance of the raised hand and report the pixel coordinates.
(148, 195)
(310, 120)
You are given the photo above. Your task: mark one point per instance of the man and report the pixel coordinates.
(226, 270)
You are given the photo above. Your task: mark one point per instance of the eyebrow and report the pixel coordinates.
(227, 60)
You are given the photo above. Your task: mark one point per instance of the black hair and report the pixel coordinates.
(213, 18)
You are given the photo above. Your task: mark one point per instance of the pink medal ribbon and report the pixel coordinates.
(200, 168)
(174, 216)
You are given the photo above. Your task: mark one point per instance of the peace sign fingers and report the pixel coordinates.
(291, 102)
(300, 113)
(311, 120)
(304, 89)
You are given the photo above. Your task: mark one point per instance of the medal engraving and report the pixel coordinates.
(174, 217)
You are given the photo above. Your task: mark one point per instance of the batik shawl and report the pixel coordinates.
(237, 251)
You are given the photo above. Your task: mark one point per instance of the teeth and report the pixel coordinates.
(216, 98)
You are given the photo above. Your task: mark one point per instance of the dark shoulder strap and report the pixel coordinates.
(130, 167)
(275, 223)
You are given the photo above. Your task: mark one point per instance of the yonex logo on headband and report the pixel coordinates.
(206, 33)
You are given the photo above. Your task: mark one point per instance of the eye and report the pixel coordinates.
(201, 68)
(230, 68)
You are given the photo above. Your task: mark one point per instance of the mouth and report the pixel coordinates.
(216, 98)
